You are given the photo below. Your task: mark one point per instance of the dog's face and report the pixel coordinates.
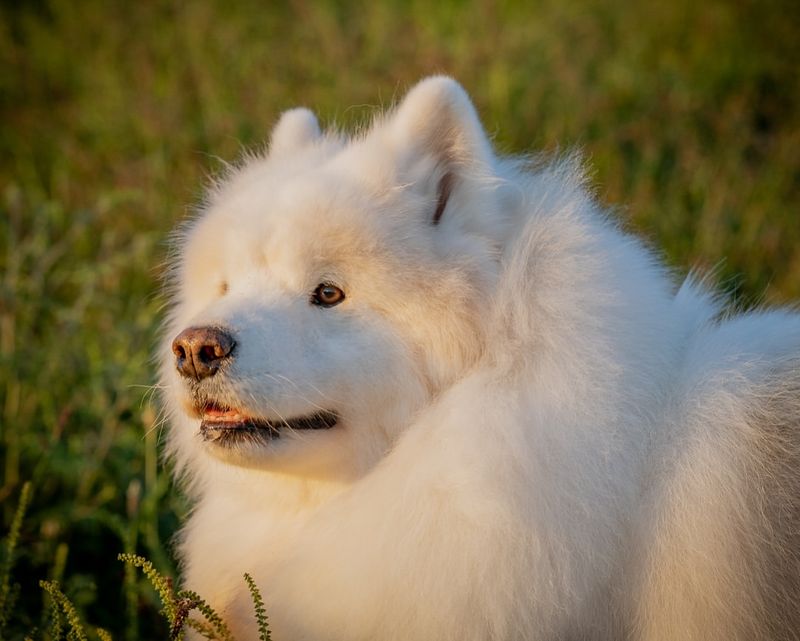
(330, 288)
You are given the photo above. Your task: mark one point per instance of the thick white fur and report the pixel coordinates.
(541, 437)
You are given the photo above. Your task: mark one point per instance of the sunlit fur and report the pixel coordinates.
(541, 435)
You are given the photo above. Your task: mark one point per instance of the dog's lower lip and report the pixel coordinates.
(215, 417)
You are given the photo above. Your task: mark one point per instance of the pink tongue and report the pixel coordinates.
(219, 414)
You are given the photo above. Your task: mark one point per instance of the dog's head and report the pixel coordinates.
(330, 288)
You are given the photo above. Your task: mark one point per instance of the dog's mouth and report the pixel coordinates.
(225, 425)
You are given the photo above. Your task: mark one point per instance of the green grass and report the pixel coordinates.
(112, 113)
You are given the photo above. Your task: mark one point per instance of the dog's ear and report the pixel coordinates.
(440, 139)
(295, 129)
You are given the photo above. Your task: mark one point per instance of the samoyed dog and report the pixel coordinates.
(423, 392)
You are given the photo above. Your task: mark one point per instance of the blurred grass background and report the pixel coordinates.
(112, 113)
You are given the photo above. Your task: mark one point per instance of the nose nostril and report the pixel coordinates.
(208, 353)
(179, 351)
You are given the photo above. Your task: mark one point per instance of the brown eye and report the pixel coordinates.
(327, 295)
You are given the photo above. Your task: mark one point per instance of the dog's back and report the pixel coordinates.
(721, 548)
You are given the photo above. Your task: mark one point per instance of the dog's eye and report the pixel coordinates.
(327, 295)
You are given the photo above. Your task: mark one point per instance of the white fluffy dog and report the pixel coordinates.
(421, 392)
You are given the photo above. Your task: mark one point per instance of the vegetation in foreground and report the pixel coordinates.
(113, 113)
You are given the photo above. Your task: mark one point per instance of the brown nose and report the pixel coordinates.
(200, 351)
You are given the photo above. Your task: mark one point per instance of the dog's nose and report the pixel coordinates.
(200, 351)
